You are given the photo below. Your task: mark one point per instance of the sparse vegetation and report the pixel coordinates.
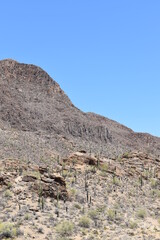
(104, 167)
(116, 181)
(84, 221)
(8, 230)
(93, 214)
(65, 228)
(111, 214)
(49, 189)
(154, 182)
(8, 194)
(76, 205)
(141, 213)
(96, 204)
(27, 217)
(133, 224)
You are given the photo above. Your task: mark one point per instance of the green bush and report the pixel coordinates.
(8, 193)
(158, 193)
(111, 214)
(141, 213)
(84, 222)
(9, 185)
(76, 205)
(116, 181)
(104, 167)
(153, 183)
(155, 192)
(93, 214)
(65, 228)
(72, 192)
(8, 230)
(133, 225)
(27, 217)
(125, 155)
(101, 208)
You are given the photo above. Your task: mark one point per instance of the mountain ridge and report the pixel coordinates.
(31, 101)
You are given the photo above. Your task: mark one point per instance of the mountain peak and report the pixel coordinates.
(14, 72)
(8, 61)
(31, 101)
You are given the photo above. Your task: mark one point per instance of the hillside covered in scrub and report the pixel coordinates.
(70, 175)
(35, 113)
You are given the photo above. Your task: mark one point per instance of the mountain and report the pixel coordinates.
(66, 174)
(38, 119)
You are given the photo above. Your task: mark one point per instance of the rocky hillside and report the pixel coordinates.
(70, 175)
(37, 118)
(81, 198)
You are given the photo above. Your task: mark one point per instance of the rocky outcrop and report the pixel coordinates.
(132, 164)
(44, 184)
(88, 132)
(51, 186)
(81, 159)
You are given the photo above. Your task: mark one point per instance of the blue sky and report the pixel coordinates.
(105, 54)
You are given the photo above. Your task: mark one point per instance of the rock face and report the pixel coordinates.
(50, 186)
(132, 164)
(44, 184)
(33, 104)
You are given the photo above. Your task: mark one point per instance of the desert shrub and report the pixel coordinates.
(125, 155)
(76, 205)
(8, 230)
(146, 174)
(158, 193)
(8, 193)
(119, 159)
(65, 228)
(74, 161)
(111, 214)
(69, 175)
(27, 217)
(92, 169)
(116, 181)
(155, 192)
(133, 224)
(93, 214)
(72, 192)
(141, 213)
(153, 183)
(103, 174)
(101, 208)
(32, 173)
(84, 222)
(9, 185)
(64, 173)
(104, 167)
